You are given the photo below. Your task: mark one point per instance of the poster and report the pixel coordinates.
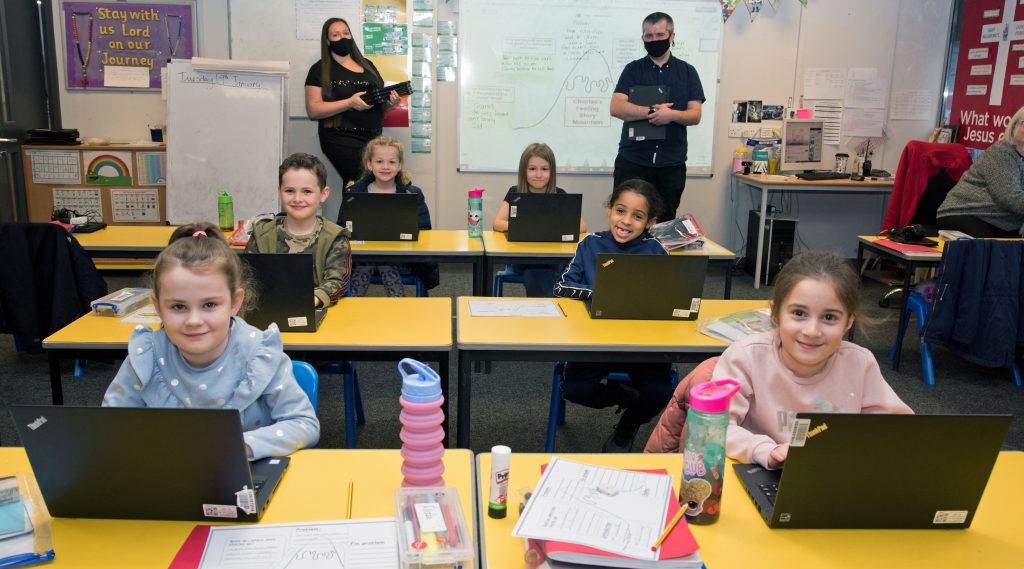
(118, 45)
(991, 55)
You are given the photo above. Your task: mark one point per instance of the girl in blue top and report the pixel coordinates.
(205, 356)
(630, 215)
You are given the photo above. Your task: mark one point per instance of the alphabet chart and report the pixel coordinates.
(135, 205)
(86, 201)
(56, 166)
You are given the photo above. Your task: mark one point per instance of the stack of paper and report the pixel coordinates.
(737, 325)
(24, 523)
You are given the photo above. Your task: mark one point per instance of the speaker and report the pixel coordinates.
(779, 236)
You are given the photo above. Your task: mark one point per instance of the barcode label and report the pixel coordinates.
(568, 237)
(430, 517)
(799, 435)
(246, 499)
(950, 517)
(348, 225)
(405, 236)
(695, 305)
(512, 210)
(219, 511)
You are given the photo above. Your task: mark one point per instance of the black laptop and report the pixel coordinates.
(879, 471)
(646, 96)
(381, 217)
(648, 287)
(544, 217)
(143, 463)
(283, 284)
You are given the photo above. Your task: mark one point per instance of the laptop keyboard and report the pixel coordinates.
(769, 490)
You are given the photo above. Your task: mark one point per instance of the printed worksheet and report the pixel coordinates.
(621, 511)
(522, 308)
(351, 544)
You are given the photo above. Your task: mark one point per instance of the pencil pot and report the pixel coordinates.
(704, 450)
(474, 220)
(421, 418)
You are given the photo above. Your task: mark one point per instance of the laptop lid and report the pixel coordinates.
(144, 463)
(283, 284)
(881, 471)
(544, 217)
(381, 217)
(645, 96)
(648, 287)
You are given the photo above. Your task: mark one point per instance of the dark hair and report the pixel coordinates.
(303, 161)
(544, 152)
(385, 141)
(325, 60)
(655, 17)
(202, 247)
(642, 187)
(825, 266)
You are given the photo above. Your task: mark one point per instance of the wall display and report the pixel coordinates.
(525, 78)
(135, 205)
(989, 85)
(119, 45)
(56, 166)
(108, 168)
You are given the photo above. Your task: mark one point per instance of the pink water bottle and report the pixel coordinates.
(421, 418)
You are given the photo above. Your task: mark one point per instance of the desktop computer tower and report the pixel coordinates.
(779, 236)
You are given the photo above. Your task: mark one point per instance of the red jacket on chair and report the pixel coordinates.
(920, 161)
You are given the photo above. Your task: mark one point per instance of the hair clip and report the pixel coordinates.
(200, 233)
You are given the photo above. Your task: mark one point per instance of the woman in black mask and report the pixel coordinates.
(335, 86)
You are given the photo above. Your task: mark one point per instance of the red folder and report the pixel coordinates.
(679, 543)
(191, 552)
(909, 249)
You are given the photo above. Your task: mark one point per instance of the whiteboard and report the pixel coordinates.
(228, 130)
(545, 70)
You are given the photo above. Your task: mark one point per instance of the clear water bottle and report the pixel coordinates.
(704, 450)
(421, 418)
(475, 222)
(225, 211)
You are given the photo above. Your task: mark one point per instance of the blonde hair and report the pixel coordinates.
(544, 152)
(1018, 117)
(385, 141)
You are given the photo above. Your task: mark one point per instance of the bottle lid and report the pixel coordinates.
(476, 193)
(713, 396)
(422, 385)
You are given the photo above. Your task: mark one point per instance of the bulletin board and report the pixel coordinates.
(115, 45)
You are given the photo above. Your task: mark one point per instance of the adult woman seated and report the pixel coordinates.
(988, 201)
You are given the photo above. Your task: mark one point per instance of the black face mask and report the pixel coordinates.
(341, 47)
(656, 48)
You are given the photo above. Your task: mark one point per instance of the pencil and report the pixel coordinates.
(668, 528)
(348, 508)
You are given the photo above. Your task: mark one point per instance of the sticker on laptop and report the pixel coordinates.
(950, 517)
(568, 237)
(348, 225)
(296, 321)
(695, 305)
(246, 500)
(608, 263)
(219, 511)
(512, 210)
(798, 437)
(680, 313)
(405, 236)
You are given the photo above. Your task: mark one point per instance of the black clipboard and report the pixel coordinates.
(646, 96)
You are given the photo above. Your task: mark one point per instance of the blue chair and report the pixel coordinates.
(412, 280)
(353, 398)
(306, 377)
(556, 412)
(920, 309)
(506, 276)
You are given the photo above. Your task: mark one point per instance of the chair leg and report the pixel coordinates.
(360, 415)
(499, 285)
(1015, 373)
(927, 367)
(349, 381)
(556, 410)
(79, 368)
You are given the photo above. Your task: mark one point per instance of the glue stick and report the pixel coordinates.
(497, 504)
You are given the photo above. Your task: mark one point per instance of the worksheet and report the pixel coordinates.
(621, 511)
(521, 308)
(352, 544)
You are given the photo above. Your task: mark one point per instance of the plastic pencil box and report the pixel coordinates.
(121, 302)
(432, 531)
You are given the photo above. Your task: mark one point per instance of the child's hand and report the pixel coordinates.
(777, 457)
(316, 302)
(356, 102)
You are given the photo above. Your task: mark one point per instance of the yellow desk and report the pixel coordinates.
(577, 337)
(434, 246)
(315, 488)
(359, 329)
(740, 538)
(767, 184)
(499, 250)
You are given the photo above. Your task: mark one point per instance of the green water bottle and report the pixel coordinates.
(225, 211)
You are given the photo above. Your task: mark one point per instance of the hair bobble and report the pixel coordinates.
(200, 233)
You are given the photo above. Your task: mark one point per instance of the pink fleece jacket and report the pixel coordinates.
(761, 414)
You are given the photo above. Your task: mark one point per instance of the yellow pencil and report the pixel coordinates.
(348, 509)
(668, 528)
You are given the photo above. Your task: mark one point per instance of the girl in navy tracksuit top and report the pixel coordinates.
(630, 210)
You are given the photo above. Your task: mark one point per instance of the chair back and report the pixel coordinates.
(926, 173)
(308, 380)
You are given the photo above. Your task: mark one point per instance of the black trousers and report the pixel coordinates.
(583, 383)
(669, 181)
(975, 227)
(345, 151)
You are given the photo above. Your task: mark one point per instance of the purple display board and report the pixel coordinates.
(119, 45)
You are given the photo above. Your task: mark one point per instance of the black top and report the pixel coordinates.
(684, 86)
(344, 84)
(513, 190)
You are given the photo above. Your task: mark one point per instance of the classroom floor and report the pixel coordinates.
(511, 403)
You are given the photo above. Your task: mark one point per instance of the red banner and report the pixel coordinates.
(989, 86)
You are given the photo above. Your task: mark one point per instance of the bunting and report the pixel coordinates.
(727, 8)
